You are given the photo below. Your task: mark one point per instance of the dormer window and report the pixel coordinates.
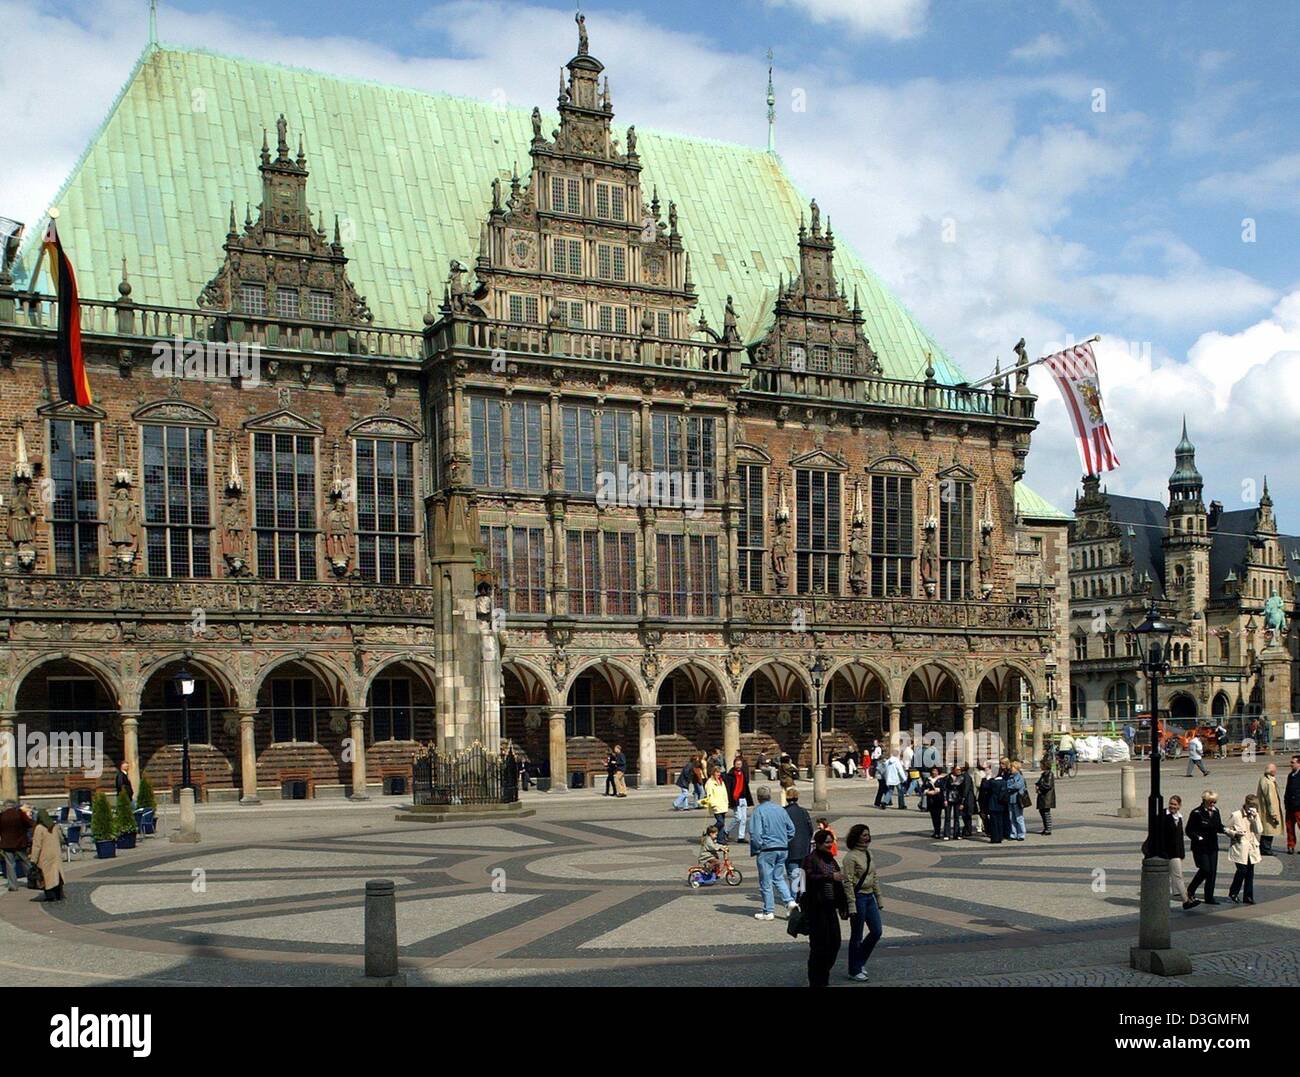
(566, 195)
(286, 302)
(798, 358)
(320, 306)
(845, 361)
(821, 358)
(252, 299)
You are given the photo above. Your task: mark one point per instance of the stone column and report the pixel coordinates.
(357, 722)
(8, 756)
(248, 756)
(1128, 797)
(131, 745)
(559, 752)
(895, 728)
(647, 750)
(730, 732)
(968, 733)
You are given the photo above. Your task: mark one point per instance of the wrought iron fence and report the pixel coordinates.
(473, 776)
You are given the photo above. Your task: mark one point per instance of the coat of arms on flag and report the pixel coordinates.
(1075, 371)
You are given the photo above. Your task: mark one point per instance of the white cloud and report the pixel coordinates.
(1272, 184)
(893, 19)
(1045, 46)
(1240, 393)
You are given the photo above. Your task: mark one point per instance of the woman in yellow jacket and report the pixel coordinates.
(46, 850)
(717, 801)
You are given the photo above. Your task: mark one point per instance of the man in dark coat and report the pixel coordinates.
(994, 789)
(1291, 803)
(123, 781)
(1204, 826)
(801, 843)
(14, 824)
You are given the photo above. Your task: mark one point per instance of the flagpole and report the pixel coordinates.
(1012, 369)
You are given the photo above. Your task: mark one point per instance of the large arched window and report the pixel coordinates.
(1121, 700)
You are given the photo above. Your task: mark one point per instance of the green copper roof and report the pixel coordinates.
(409, 174)
(1034, 506)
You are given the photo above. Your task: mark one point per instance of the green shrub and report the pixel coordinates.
(124, 819)
(101, 819)
(144, 798)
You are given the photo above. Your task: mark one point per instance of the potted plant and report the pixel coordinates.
(124, 821)
(147, 803)
(101, 827)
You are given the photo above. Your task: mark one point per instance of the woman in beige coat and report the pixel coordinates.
(1270, 809)
(1243, 830)
(47, 855)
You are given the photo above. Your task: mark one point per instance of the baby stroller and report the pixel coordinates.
(699, 876)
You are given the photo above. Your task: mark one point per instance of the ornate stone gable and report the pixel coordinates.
(814, 329)
(281, 266)
(576, 246)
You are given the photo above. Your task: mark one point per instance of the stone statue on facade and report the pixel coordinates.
(338, 535)
(815, 212)
(234, 536)
(781, 556)
(537, 124)
(729, 330)
(929, 564)
(631, 140)
(858, 559)
(123, 525)
(1275, 618)
(581, 20)
(1022, 366)
(986, 564)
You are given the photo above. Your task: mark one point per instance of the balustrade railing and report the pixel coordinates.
(152, 322)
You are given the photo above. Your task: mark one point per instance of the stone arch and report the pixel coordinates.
(1018, 667)
(1183, 705)
(957, 677)
(604, 666)
(933, 698)
(421, 664)
(776, 704)
(856, 706)
(302, 721)
(84, 700)
(600, 704)
(214, 728)
(336, 680)
(527, 699)
(1221, 707)
(1000, 703)
(703, 675)
(688, 705)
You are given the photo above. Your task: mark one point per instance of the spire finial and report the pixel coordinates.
(771, 107)
(153, 24)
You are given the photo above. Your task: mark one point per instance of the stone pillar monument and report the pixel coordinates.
(647, 751)
(248, 756)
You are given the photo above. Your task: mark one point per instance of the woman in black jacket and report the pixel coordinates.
(1046, 786)
(932, 797)
(1204, 825)
(824, 904)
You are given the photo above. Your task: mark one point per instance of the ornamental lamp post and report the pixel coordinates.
(1153, 952)
(820, 802)
(185, 685)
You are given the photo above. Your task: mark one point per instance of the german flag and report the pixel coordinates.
(74, 386)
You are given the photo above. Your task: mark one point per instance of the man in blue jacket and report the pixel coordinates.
(770, 834)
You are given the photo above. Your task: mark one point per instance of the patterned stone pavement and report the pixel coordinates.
(593, 891)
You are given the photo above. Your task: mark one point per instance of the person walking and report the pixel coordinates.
(1244, 829)
(1221, 740)
(932, 797)
(1270, 809)
(611, 768)
(878, 772)
(683, 801)
(786, 775)
(911, 776)
(1046, 796)
(46, 858)
(895, 780)
(716, 801)
(770, 834)
(824, 905)
(1291, 803)
(864, 900)
(1174, 849)
(123, 780)
(1017, 797)
(954, 796)
(739, 794)
(14, 824)
(1129, 735)
(800, 843)
(1195, 755)
(1204, 825)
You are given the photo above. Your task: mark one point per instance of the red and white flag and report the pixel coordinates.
(1075, 371)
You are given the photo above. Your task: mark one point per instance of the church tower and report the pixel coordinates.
(1187, 538)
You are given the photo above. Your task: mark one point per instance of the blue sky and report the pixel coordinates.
(961, 146)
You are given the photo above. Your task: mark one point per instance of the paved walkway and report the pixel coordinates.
(592, 890)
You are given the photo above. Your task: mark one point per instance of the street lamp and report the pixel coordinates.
(185, 685)
(1153, 952)
(820, 802)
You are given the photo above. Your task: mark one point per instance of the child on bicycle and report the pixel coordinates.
(711, 852)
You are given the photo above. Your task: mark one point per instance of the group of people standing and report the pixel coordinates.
(968, 800)
(38, 854)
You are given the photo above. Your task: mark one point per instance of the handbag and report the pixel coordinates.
(796, 923)
(1025, 801)
(35, 880)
